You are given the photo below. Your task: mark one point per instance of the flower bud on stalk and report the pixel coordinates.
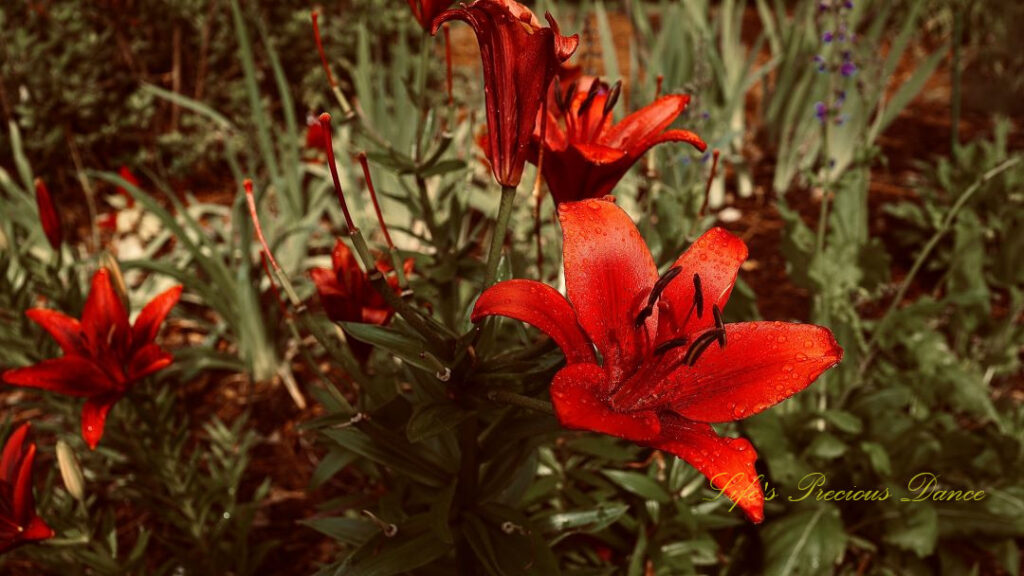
(48, 215)
(108, 261)
(70, 470)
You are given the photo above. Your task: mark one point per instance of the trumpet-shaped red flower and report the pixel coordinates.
(520, 57)
(48, 215)
(585, 154)
(668, 365)
(103, 354)
(348, 296)
(426, 10)
(18, 521)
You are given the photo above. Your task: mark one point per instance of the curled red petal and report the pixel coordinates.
(94, 417)
(715, 257)
(577, 394)
(37, 530)
(542, 306)
(148, 322)
(148, 360)
(66, 331)
(727, 462)
(104, 319)
(608, 274)
(70, 375)
(14, 451)
(650, 120)
(48, 217)
(24, 503)
(762, 364)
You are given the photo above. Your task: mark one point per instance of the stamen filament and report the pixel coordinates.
(325, 123)
(652, 298)
(373, 196)
(320, 48)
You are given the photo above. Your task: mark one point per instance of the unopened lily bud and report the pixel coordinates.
(70, 471)
(116, 278)
(48, 215)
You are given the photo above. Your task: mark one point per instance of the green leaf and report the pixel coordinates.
(916, 529)
(350, 531)
(402, 459)
(843, 420)
(638, 484)
(806, 542)
(593, 520)
(878, 456)
(432, 418)
(826, 446)
(398, 555)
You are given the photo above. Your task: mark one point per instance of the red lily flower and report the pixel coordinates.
(48, 215)
(127, 175)
(348, 296)
(103, 355)
(426, 10)
(520, 57)
(585, 155)
(18, 521)
(669, 367)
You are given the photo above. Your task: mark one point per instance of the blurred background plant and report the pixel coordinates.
(865, 157)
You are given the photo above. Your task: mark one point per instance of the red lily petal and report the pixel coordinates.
(716, 257)
(148, 322)
(12, 454)
(608, 273)
(65, 330)
(104, 319)
(94, 417)
(37, 530)
(673, 136)
(149, 359)
(378, 316)
(575, 392)
(651, 119)
(542, 306)
(70, 375)
(727, 462)
(24, 503)
(762, 364)
(597, 154)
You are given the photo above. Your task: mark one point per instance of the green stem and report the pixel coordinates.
(508, 194)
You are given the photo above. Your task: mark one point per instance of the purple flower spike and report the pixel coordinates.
(847, 69)
(826, 37)
(820, 110)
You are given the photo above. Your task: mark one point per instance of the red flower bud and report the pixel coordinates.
(48, 215)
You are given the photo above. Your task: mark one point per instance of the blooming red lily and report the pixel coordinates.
(18, 521)
(520, 57)
(669, 366)
(103, 354)
(426, 10)
(348, 296)
(585, 155)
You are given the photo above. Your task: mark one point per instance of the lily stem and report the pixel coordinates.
(508, 194)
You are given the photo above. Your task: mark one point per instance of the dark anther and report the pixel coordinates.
(559, 97)
(590, 98)
(669, 344)
(656, 291)
(699, 346)
(613, 97)
(698, 296)
(719, 325)
(570, 93)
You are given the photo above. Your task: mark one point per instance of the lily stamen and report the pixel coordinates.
(660, 349)
(655, 294)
